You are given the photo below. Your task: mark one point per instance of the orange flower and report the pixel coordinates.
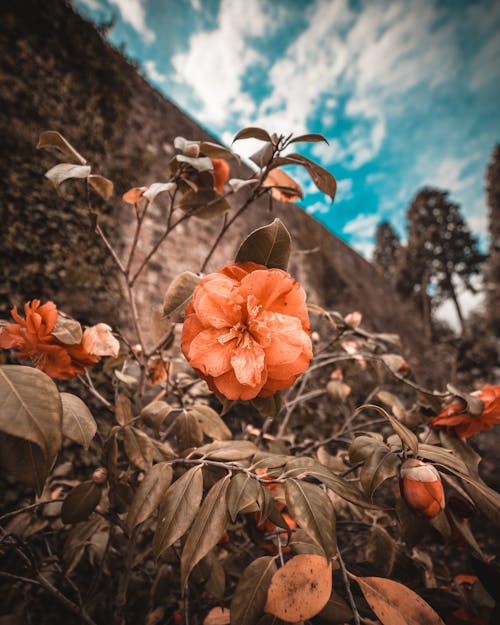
(455, 416)
(33, 339)
(421, 488)
(247, 331)
(221, 173)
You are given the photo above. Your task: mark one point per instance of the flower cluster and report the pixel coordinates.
(34, 340)
(247, 331)
(455, 416)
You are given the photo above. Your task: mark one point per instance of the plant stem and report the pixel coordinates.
(347, 584)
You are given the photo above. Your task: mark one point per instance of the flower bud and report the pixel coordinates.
(221, 173)
(192, 150)
(100, 476)
(353, 319)
(421, 488)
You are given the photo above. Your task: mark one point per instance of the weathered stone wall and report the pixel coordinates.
(57, 72)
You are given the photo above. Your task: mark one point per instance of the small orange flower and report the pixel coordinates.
(32, 339)
(221, 173)
(455, 416)
(247, 331)
(421, 488)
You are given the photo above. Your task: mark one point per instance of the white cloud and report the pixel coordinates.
(319, 208)
(217, 60)
(344, 190)
(93, 5)
(486, 65)
(153, 73)
(450, 174)
(133, 12)
(362, 225)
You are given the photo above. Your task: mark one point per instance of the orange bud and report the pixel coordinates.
(353, 319)
(221, 173)
(100, 476)
(421, 488)
(134, 195)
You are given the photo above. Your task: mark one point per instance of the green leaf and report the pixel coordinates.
(178, 509)
(78, 424)
(66, 171)
(138, 448)
(80, 502)
(313, 511)
(207, 528)
(253, 133)
(179, 294)
(269, 246)
(52, 139)
(101, 185)
(67, 330)
(249, 598)
(242, 492)
(210, 422)
(227, 450)
(148, 495)
(322, 178)
(31, 409)
(309, 138)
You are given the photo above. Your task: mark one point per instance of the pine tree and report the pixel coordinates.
(441, 247)
(493, 269)
(387, 247)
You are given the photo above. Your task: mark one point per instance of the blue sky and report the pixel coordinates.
(407, 92)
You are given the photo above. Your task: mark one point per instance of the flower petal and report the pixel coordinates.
(228, 385)
(216, 303)
(247, 361)
(208, 354)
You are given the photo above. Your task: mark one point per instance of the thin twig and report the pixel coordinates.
(347, 584)
(32, 506)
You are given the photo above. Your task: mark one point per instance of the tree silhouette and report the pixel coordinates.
(493, 269)
(387, 247)
(441, 247)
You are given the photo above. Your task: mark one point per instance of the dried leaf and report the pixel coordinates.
(405, 434)
(101, 185)
(395, 604)
(250, 596)
(98, 340)
(155, 413)
(80, 502)
(309, 138)
(381, 550)
(25, 461)
(378, 467)
(66, 171)
(188, 431)
(207, 528)
(31, 409)
(138, 448)
(253, 133)
(210, 422)
(148, 495)
(227, 450)
(52, 139)
(243, 491)
(156, 188)
(178, 295)
(204, 203)
(78, 424)
(313, 511)
(284, 187)
(269, 246)
(217, 616)
(123, 409)
(300, 589)
(178, 509)
(214, 150)
(67, 330)
(322, 178)
(202, 163)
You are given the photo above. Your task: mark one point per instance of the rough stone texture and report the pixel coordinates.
(57, 72)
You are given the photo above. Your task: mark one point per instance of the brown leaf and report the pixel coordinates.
(227, 450)
(138, 448)
(123, 409)
(300, 589)
(155, 413)
(52, 139)
(253, 133)
(78, 424)
(80, 502)
(31, 408)
(322, 178)
(134, 195)
(395, 604)
(67, 330)
(217, 616)
(207, 528)
(178, 295)
(25, 461)
(210, 422)
(66, 171)
(148, 495)
(178, 509)
(251, 592)
(242, 492)
(284, 187)
(269, 246)
(98, 340)
(101, 185)
(188, 431)
(313, 511)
